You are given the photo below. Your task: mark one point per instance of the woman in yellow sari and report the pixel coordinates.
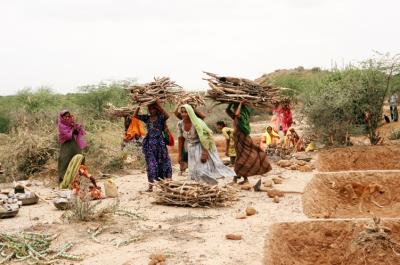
(269, 138)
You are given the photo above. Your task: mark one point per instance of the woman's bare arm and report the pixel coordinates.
(199, 114)
(162, 111)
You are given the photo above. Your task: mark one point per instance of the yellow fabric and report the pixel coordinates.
(72, 170)
(135, 128)
(268, 138)
(228, 134)
(310, 147)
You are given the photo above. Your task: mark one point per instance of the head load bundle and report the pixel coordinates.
(193, 99)
(161, 88)
(225, 89)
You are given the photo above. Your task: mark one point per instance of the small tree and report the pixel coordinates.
(377, 79)
(350, 97)
(95, 97)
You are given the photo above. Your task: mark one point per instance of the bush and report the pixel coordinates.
(94, 97)
(348, 98)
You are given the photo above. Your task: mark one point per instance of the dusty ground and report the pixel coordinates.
(353, 194)
(186, 236)
(384, 157)
(338, 242)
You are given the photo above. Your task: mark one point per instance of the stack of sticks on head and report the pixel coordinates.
(233, 90)
(192, 98)
(161, 88)
(193, 194)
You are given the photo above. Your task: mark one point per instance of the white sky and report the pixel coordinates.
(67, 43)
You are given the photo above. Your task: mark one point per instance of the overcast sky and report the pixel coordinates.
(68, 43)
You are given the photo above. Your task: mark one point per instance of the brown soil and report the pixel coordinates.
(353, 194)
(327, 242)
(359, 158)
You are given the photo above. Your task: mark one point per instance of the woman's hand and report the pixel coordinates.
(204, 156)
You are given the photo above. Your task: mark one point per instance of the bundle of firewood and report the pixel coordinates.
(193, 194)
(226, 89)
(113, 111)
(161, 88)
(192, 98)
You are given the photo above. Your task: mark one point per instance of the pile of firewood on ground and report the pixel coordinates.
(193, 194)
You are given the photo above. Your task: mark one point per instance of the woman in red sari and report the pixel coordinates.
(287, 119)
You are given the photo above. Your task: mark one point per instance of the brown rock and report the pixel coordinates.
(158, 257)
(275, 199)
(250, 211)
(284, 163)
(245, 186)
(233, 237)
(241, 216)
(268, 183)
(277, 180)
(294, 167)
(272, 193)
(301, 162)
(305, 168)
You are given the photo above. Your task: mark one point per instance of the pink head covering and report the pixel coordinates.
(66, 131)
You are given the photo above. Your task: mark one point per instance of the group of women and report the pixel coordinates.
(195, 143)
(281, 132)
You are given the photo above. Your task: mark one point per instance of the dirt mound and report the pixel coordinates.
(359, 158)
(353, 194)
(330, 242)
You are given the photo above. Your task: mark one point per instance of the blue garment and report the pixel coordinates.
(155, 151)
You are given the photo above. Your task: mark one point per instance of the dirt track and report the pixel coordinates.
(187, 236)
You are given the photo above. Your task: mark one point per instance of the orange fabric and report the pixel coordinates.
(94, 191)
(135, 129)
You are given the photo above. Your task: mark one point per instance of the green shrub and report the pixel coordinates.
(348, 98)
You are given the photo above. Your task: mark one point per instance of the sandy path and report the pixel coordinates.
(187, 236)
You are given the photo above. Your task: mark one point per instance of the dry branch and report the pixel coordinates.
(233, 90)
(113, 111)
(161, 88)
(192, 98)
(193, 194)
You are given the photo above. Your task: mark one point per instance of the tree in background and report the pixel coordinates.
(351, 97)
(93, 98)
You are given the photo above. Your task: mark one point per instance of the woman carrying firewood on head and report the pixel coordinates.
(250, 158)
(183, 162)
(154, 144)
(203, 160)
